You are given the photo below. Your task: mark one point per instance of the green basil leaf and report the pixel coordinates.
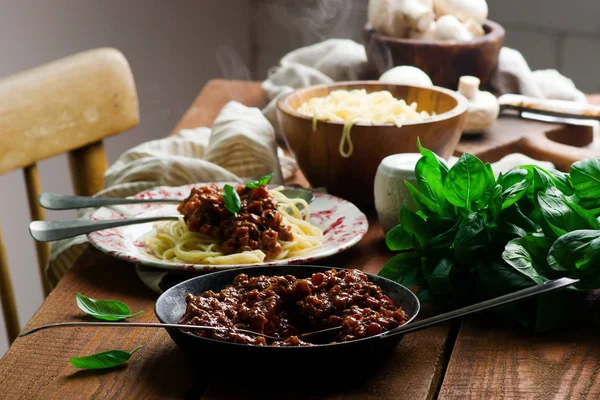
(261, 182)
(403, 268)
(514, 215)
(426, 205)
(108, 310)
(232, 200)
(414, 224)
(448, 228)
(430, 174)
(424, 296)
(517, 256)
(499, 278)
(107, 359)
(571, 250)
(439, 281)
(433, 157)
(397, 239)
(561, 180)
(563, 216)
(514, 184)
(471, 239)
(585, 175)
(467, 181)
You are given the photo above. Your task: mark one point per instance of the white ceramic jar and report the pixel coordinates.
(390, 190)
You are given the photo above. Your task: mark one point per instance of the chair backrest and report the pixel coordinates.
(66, 106)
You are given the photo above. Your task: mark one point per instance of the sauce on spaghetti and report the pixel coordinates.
(285, 306)
(257, 226)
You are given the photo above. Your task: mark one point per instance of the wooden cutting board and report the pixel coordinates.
(560, 144)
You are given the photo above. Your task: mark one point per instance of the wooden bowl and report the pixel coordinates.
(352, 178)
(444, 61)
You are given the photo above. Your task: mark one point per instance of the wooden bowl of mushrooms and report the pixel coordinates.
(339, 133)
(446, 39)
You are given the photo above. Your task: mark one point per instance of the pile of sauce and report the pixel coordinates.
(258, 225)
(285, 307)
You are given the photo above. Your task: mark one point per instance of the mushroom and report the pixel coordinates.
(398, 17)
(450, 28)
(483, 106)
(463, 9)
(473, 27)
(406, 75)
(378, 15)
(429, 34)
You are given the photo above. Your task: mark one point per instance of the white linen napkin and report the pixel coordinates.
(337, 60)
(198, 155)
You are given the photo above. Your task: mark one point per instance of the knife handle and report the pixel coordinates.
(555, 108)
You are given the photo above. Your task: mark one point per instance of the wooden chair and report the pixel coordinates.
(67, 106)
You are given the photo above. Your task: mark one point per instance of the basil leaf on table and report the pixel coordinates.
(261, 182)
(585, 175)
(232, 200)
(107, 359)
(467, 181)
(108, 310)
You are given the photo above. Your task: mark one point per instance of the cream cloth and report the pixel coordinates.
(342, 59)
(240, 146)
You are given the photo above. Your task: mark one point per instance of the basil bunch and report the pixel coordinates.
(475, 237)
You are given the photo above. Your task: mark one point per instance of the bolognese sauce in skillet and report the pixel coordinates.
(285, 307)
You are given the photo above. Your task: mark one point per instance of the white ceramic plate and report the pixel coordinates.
(341, 221)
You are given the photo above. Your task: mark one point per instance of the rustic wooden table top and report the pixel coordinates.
(478, 358)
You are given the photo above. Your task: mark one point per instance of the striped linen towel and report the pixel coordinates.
(240, 146)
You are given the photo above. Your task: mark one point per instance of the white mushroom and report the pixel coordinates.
(483, 106)
(473, 27)
(429, 34)
(406, 75)
(463, 9)
(398, 17)
(450, 28)
(378, 15)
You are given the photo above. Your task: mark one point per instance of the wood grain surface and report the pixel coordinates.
(560, 144)
(37, 366)
(491, 361)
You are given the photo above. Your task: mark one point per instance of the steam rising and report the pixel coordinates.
(232, 65)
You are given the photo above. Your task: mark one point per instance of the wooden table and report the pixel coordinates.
(478, 358)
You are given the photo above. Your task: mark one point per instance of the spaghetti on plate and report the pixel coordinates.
(243, 225)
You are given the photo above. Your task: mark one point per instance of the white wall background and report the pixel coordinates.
(174, 47)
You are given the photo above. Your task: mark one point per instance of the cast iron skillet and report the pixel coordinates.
(171, 305)
(346, 358)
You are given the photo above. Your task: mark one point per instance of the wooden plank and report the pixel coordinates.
(215, 94)
(491, 361)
